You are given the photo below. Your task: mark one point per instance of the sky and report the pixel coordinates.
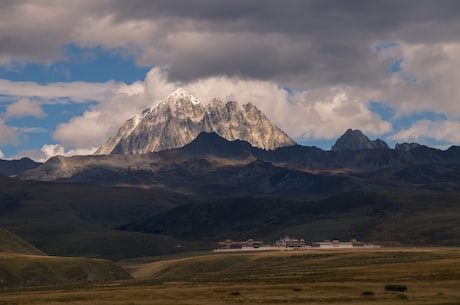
(71, 72)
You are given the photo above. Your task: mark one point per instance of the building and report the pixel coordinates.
(289, 242)
(327, 244)
(249, 244)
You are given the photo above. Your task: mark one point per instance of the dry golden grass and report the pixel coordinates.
(291, 277)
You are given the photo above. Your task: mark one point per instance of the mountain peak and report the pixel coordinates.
(355, 140)
(178, 119)
(183, 95)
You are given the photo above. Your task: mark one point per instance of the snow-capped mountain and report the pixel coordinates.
(355, 140)
(177, 120)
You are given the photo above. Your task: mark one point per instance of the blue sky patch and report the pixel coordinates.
(82, 64)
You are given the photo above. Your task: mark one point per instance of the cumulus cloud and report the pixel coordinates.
(30, 96)
(336, 57)
(321, 113)
(440, 131)
(101, 121)
(428, 80)
(302, 44)
(25, 107)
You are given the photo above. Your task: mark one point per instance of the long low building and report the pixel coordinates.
(291, 244)
(338, 244)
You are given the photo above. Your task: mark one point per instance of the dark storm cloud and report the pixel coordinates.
(320, 42)
(369, 18)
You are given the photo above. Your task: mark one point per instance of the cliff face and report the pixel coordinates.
(177, 121)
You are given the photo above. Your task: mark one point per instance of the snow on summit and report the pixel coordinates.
(181, 94)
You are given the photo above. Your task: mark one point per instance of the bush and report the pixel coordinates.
(395, 287)
(367, 293)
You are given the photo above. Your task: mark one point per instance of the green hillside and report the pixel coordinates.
(18, 270)
(21, 264)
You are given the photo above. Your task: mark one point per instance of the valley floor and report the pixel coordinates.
(431, 276)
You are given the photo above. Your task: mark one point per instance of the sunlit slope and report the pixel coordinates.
(309, 266)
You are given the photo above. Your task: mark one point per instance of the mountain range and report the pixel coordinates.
(224, 149)
(157, 188)
(212, 165)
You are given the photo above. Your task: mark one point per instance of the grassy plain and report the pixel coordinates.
(340, 276)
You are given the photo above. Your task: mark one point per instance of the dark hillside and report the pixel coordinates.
(76, 220)
(14, 167)
(269, 218)
(409, 219)
(10, 243)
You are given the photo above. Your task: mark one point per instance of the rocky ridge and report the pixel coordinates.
(177, 121)
(211, 165)
(356, 140)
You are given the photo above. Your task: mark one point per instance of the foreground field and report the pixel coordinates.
(371, 276)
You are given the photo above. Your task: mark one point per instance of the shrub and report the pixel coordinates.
(402, 296)
(395, 287)
(367, 293)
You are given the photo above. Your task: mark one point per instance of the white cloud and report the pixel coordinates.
(32, 95)
(428, 81)
(318, 113)
(327, 113)
(8, 135)
(25, 107)
(324, 113)
(444, 131)
(74, 91)
(101, 121)
(85, 131)
(50, 150)
(325, 50)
